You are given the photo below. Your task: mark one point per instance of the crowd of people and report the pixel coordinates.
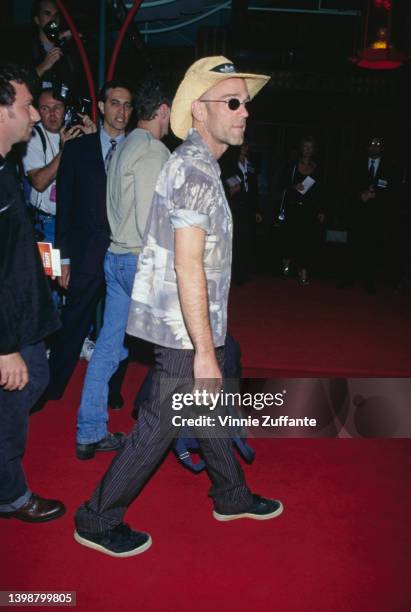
(372, 229)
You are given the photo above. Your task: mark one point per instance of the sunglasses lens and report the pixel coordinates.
(234, 104)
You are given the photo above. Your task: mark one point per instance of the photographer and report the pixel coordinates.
(43, 156)
(53, 58)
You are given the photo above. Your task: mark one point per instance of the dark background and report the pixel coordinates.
(314, 89)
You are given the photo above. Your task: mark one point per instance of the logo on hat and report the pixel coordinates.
(224, 68)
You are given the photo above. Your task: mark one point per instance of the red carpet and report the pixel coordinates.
(286, 329)
(343, 542)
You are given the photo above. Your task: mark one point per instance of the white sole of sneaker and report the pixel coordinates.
(101, 549)
(255, 517)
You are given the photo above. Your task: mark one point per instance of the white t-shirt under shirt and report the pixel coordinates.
(36, 158)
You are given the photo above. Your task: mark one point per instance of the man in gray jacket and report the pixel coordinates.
(132, 176)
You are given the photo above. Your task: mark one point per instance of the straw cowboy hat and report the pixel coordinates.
(199, 78)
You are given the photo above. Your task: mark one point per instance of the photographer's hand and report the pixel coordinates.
(51, 58)
(66, 35)
(89, 127)
(73, 132)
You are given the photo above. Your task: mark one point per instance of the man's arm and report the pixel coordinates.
(192, 287)
(146, 172)
(13, 370)
(51, 58)
(41, 178)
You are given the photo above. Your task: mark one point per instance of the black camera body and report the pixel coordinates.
(74, 106)
(73, 117)
(52, 31)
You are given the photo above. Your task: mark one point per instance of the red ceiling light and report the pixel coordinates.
(386, 4)
(378, 52)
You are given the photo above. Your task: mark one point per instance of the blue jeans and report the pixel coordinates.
(92, 418)
(46, 224)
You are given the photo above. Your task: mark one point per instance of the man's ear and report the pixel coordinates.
(164, 110)
(2, 113)
(36, 20)
(101, 107)
(197, 110)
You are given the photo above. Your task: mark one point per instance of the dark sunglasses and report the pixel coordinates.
(233, 103)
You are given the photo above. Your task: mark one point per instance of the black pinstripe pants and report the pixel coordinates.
(146, 446)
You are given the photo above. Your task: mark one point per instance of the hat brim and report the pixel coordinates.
(193, 87)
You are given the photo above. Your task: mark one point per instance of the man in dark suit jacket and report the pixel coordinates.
(82, 230)
(371, 188)
(240, 183)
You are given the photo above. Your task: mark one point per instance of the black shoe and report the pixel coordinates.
(261, 510)
(118, 542)
(115, 401)
(37, 510)
(112, 442)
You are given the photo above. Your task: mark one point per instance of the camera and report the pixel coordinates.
(52, 31)
(73, 118)
(74, 106)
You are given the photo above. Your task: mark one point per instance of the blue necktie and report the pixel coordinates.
(372, 170)
(110, 154)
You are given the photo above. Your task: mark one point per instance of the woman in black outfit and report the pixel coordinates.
(302, 207)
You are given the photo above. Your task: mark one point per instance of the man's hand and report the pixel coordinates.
(51, 58)
(367, 195)
(234, 189)
(66, 35)
(207, 374)
(206, 367)
(299, 187)
(14, 375)
(64, 279)
(89, 127)
(66, 135)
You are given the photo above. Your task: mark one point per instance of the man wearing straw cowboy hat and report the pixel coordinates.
(179, 303)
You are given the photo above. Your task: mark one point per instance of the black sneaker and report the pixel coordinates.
(261, 510)
(118, 542)
(112, 442)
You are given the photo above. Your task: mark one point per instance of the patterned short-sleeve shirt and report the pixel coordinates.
(189, 192)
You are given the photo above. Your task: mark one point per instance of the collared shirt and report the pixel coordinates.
(376, 161)
(132, 177)
(105, 141)
(36, 157)
(189, 193)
